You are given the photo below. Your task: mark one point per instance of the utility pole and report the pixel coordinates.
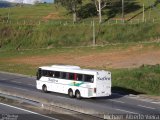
(94, 34)
(8, 16)
(143, 19)
(150, 10)
(123, 11)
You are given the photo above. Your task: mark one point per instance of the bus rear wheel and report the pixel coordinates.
(70, 93)
(44, 88)
(78, 94)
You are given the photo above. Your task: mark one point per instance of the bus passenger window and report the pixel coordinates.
(79, 77)
(63, 75)
(50, 74)
(89, 78)
(57, 74)
(44, 73)
(71, 76)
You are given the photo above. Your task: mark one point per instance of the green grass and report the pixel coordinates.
(30, 12)
(144, 79)
(149, 13)
(7, 53)
(48, 35)
(24, 31)
(18, 68)
(37, 12)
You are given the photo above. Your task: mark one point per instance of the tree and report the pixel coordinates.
(71, 5)
(100, 4)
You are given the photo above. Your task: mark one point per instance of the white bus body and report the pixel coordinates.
(74, 81)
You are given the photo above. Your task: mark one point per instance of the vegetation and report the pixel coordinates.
(71, 5)
(100, 4)
(139, 80)
(51, 26)
(111, 9)
(67, 35)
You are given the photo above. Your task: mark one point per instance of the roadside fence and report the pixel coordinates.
(69, 22)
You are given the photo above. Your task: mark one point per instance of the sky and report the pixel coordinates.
(29, 1)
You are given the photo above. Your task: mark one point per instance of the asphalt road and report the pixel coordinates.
(8, 112)
(115, 104)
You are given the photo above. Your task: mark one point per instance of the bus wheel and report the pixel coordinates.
(78, 94)
(44, 88)
(70, 93)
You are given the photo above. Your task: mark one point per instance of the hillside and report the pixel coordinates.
(133, 9)
(5, 4)
(49, 25)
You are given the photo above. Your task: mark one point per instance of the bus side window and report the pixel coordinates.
(57, 74)
(89, 78)
(71, 76)
(63, 75)
(79, 77)
(44, 73)
(50, 73)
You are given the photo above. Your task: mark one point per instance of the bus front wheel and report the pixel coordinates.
(70, 93)
(44, 88)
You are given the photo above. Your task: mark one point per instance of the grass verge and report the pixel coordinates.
(138, 80)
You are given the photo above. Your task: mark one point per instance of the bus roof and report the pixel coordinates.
(66, 67)
(69, 68)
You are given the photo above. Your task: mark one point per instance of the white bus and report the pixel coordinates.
(74, 81)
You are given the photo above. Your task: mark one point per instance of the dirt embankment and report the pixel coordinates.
(52, 16)
(128, 58)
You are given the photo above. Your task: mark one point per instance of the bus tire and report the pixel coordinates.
(78, 94)
(70, 93)
(44, 88)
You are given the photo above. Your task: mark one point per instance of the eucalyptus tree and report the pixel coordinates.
(100, 4)
(71, 5)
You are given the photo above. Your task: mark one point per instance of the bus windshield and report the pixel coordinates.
(39, 74)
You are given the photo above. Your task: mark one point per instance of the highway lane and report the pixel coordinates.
(115, 104)
(8, 112)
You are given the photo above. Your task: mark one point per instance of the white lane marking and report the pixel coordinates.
(29, 111)
(146, 100)
(146, 107)
(17, 82)
(138, 98)
(126, 111)
(118, 101)
(20, 88)
(142, 99)
(156, 102)
(21, 83)
(31, 85)
(16, 74)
